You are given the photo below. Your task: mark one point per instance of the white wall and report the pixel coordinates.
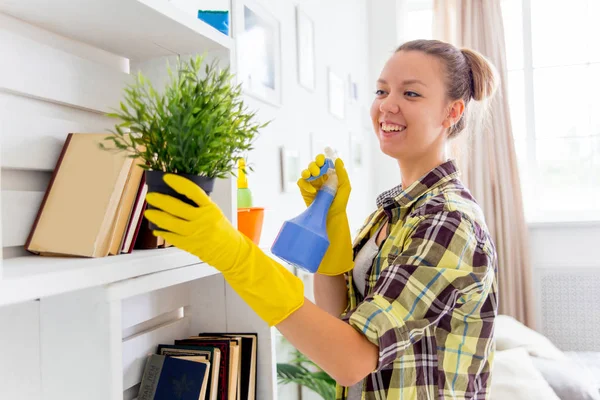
(341, 43)
(303, 121)
(385, 31)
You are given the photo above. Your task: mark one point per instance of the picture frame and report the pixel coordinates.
(336, 94)
(352, 89)
(356, 148)
(258, 35)
(289, 165)
(305, 44)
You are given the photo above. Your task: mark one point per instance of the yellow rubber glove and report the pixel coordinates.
(271, 290)
(339, 257)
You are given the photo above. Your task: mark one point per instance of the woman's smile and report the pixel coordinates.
(389, 129)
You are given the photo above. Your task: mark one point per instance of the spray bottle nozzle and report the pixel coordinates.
(330, 157)
(330, 153)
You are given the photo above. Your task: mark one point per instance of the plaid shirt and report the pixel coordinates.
(430, 296)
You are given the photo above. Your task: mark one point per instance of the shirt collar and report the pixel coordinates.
(434, 178)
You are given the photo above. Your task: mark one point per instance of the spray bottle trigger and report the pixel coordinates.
(328, 164)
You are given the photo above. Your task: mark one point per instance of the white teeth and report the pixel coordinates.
(392, 128)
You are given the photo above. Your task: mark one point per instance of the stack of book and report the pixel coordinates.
(94, 203)
(210, 366)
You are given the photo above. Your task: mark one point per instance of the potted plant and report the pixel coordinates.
(196, 127)
(302, 371)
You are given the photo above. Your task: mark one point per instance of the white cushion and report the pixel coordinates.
(510, 334)
(569, 380)
(514, 377)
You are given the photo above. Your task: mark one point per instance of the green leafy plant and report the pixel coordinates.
(304, 372)
(197, 125)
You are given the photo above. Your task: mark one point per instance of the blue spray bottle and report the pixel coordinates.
(303, 241)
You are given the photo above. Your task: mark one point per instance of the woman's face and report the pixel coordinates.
(410, 111)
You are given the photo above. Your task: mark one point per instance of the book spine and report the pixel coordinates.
(46, 194)
(151, 377)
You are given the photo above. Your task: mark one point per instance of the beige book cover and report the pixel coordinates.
(125, 207)
(81, 201)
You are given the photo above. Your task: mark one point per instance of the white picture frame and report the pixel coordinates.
(356, 148)
(290, 168)
(305, 44)
(258, 51)
(336, 87)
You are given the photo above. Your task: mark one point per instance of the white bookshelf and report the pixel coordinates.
(134, 29)
(33, 277)
(74, 328)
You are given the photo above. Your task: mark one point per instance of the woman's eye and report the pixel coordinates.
(379, 92)
(411, 94)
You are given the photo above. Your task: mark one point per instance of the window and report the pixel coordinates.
(553, 82)
(419, 20)
(553, 61)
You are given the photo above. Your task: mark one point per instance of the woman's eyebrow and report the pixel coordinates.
(413, 81)
(405, 82)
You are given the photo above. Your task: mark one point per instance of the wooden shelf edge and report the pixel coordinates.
(33, 277)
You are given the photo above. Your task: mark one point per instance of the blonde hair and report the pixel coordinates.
(469, 75)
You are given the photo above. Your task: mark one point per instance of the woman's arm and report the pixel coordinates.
(272, 291)
(330, 293)
(335, 346)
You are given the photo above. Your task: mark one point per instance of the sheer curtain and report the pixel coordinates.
(486, 153)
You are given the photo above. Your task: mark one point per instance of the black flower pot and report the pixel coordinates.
(155, 182)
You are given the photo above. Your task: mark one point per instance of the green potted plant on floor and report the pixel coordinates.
(302, 371)
(197, 126)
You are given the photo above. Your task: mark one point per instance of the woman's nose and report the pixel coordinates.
(389, 105)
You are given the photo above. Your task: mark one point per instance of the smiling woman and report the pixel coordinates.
(422, 92)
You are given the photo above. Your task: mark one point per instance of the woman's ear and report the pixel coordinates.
(455, 112)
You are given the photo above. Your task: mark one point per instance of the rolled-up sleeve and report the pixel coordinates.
(442, 270)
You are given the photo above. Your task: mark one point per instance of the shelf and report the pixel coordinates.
(136, 29)
(31, 277)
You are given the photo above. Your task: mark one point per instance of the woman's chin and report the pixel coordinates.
(390, 148)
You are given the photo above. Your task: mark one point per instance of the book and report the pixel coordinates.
(79, 207)
(136, 217)
(213, 356)
(167, 378)
(235, 374)
(248, 352)
(126, 204)
(233, 359)
(147, 240)
(227, 373)
(199, 359)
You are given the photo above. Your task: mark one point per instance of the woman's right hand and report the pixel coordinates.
(339, 256)
(309, 189)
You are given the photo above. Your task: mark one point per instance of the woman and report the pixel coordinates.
(408, 312)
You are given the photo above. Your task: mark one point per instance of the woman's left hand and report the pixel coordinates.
(270, 289)
(203, 230)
